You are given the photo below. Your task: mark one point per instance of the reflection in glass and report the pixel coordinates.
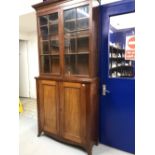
(76, 19)
(70, 64)
(53, 24)
(83, 44)
(83, 17)
(82, 24)
(70, 42)
(50, 62)
(53, 29)
(83, 12)
(70, 20)
(76, 40)
(83, 62)
(43, 20)
(121, 28)
(45, 64)
(55, 67)
(45, 47)
(54, 46)
(53, 18)
(44, 32)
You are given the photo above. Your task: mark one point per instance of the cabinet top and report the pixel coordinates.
(50, 2)
(94, 3)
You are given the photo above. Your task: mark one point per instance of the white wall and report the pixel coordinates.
(33, 63)
(23, 69)
(24, 36)
(32, 60)
(25, 6)
(29, 33)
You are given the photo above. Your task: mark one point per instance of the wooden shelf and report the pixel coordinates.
(45, 25)
(53, 35)
(77, 36)
(121, 67)
(50, 23)
(44, 40)
(77, 53)
(53, 54)
(45, 54)
(79, 30)
(72, 20)
(53, 22)
(76, 75)
(83, 53)
(117, 59)
(50, 39)
(116, 50)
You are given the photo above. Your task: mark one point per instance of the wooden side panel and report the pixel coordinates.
(94, 110)
(73, 116)
(49, 105)
(95, 39)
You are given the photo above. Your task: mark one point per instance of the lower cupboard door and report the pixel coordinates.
(48, 92)
(73, 112)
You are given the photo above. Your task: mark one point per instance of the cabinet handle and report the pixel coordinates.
(83, 85)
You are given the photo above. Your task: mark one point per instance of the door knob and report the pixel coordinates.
(104, 90)
(83, 85)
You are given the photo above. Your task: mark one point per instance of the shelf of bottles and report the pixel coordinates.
(118, 66)
(76, 40)
(49, 55)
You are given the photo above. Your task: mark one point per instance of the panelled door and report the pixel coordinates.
(117, 76)
(49, 104)
(73, 111)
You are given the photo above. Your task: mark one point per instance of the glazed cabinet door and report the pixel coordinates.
(49, 42)
(73, 112)
(48, 106)
(77, 41)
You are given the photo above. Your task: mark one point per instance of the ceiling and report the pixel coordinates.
(27, 23)
(109, 1)
(124, 21)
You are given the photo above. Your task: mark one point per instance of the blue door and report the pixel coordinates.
(117, 82)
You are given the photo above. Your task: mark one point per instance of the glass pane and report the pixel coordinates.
(76, 40)
(83, 42)
(55, 67)
(45, 61)
(70, 43)
(45, 47)
(83, 61)
(54, 46)
(53, 24)
(53, 29)
(44, 32)
(50, 63)
(82, 24)
(70, 64)
(83, 17)
(43, 20)
(70, 20)
(53, 18)
(122, 46)
(83, 12)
